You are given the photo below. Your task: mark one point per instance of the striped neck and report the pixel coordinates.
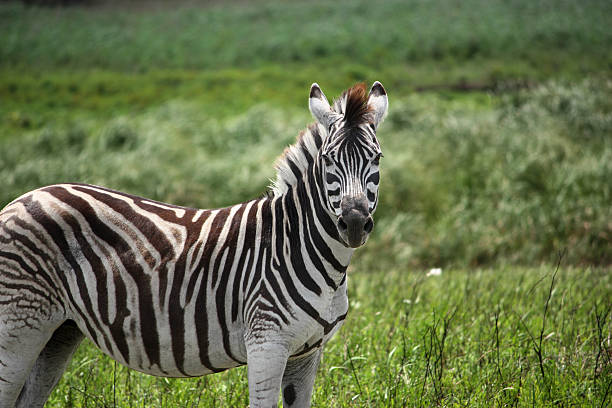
(302, 244)
(305, 226)
(300, 191)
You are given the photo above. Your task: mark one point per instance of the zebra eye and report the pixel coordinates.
(327, 159)
(376, 159)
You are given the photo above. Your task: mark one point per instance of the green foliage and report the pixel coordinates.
(498, 337)
(517, 181)
(173, 153)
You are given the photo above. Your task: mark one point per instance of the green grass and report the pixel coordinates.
(493, 337)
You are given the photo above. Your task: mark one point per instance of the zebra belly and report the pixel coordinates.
(169, 356)
(158, 334)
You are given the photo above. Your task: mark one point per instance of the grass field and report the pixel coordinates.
(494, 337)
(498, 158)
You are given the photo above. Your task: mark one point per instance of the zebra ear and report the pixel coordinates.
(319, 107)
(378, 102)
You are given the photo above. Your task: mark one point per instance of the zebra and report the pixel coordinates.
(181, 292)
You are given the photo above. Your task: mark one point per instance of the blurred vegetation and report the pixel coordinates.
(517, 182)
(140, 36)
(191, 104)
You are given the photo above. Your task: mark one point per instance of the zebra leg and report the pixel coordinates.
(50, 365)
(265, 366)
(298, 380)
(20, 345)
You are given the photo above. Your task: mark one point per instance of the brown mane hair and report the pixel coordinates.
(356, 108)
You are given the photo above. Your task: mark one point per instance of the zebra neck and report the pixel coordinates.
(302, 238)
(322, 223)
(329, 220)
(299, 194)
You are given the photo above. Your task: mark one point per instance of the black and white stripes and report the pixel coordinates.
(181, 292)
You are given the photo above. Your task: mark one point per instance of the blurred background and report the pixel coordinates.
(497, 145)
(498, 142)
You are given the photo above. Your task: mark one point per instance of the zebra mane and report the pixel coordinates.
(353, 105)
(297, 158)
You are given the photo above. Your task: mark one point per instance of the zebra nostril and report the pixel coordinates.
(342, 225)
(368, 226)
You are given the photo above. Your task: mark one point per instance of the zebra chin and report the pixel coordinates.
(355, 242)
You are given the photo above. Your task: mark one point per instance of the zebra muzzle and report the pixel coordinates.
(355, 223)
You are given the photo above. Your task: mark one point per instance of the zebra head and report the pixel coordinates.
(349, 156)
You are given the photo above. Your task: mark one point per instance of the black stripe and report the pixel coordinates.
(264, 247)
(334, 192)
(41, 271)
(330, 178)
(17, 259)
(371, 196)
(281, 297)
(98, 268)
(373, 178)
(247, 244)
(176, 314)
(281, 267)
(146, 311)
(230, 245)
(308, 348)
(330, 228)
(295, 169)
(294, 234)
(318, 199)
(201, 325)
(251, 295)
(310, 230)
(203, 268)
(143, 224)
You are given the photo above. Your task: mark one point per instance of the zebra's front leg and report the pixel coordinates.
(298, 380)
(265, 366)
